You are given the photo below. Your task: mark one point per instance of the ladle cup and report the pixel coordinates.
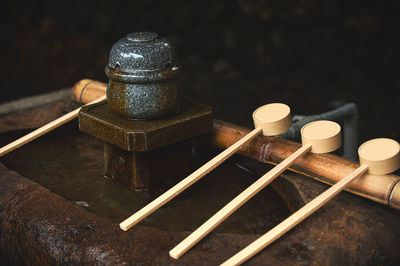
(378, 156)
(270, 119)
(317, 137)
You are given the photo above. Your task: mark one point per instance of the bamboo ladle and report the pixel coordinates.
(378, 156)
(271, 119)
(44, 129)
(317, 137)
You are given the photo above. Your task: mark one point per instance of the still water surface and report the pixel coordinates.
(70, 163)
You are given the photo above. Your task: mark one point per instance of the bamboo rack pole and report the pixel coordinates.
(326, 168)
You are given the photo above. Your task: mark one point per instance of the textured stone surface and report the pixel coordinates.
(144, 95)
(143, 77)
(147, 169)
(140, 51)
(39, 227)
(144, 135)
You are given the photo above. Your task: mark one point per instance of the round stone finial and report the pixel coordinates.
(142, 51)
(382, 155)
(323, 136)
(273, 118)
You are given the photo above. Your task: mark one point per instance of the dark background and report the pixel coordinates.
(236, 55)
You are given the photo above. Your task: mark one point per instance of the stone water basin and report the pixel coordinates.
(56, 207)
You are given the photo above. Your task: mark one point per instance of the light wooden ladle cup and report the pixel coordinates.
(318, 137)
(271, 119)
(378, 156)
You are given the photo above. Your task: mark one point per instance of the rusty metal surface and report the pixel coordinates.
(39, 227)
(144, 135)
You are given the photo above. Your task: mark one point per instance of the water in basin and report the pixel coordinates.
(70, 163)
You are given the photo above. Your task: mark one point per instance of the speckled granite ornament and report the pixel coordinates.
(143, 71)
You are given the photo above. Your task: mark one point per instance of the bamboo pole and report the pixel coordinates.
(326, 168)
(380, 155)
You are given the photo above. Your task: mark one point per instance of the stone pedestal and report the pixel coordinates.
(143, 153)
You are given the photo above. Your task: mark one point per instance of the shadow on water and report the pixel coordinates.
(70, 163)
